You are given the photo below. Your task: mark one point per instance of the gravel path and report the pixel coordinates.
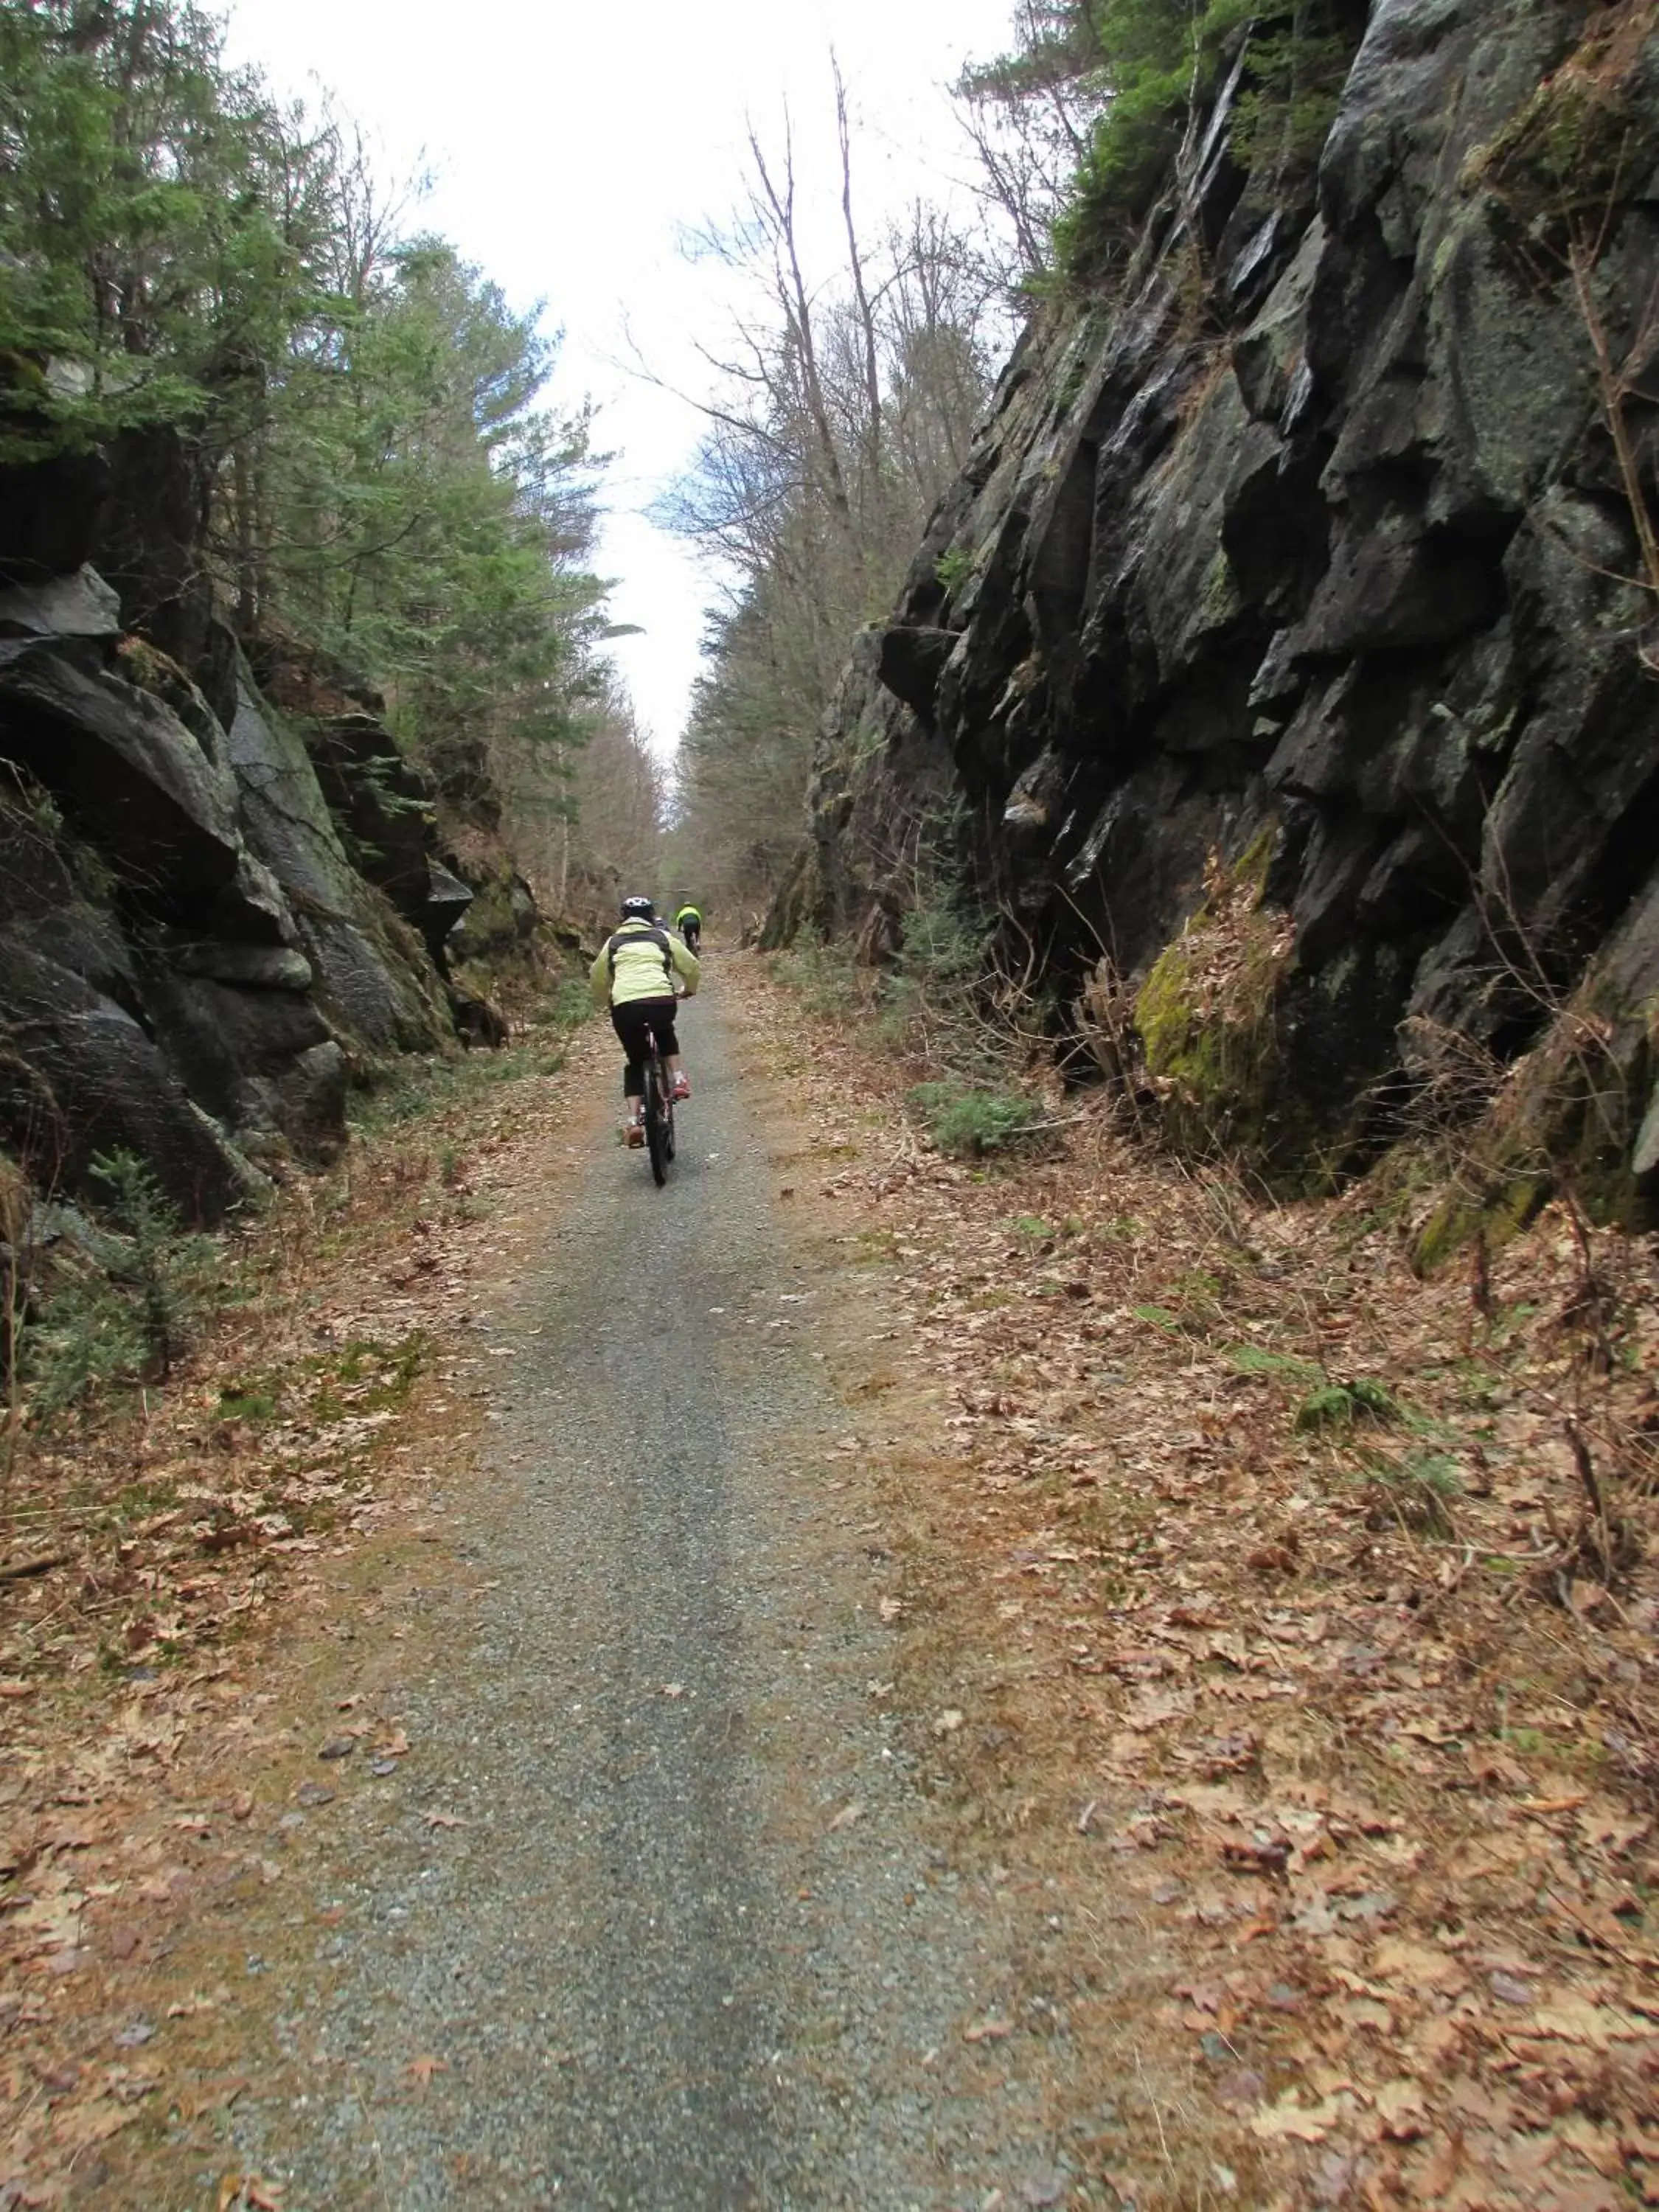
(677, 1938)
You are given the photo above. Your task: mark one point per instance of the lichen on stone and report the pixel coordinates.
(1585, 132)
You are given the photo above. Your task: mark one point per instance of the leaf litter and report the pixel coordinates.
(155, 1556)
(1316, 1753)
(1289, 1570)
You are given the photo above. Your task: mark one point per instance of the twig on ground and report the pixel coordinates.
(18, 1570)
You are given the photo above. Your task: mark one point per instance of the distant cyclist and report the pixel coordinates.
(688, 922)
(634, 975)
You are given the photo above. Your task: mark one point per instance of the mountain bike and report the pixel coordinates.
(658, 1109)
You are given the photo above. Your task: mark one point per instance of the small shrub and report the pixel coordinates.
(1347, 1405)
(1207, 1014)
(824, 978)
(1198, 1292)
(1530, 1742)
(99, 1327)
(86, 1337)
(1154, 63)
(968, 1122)
(1417, 1490)
(953, 568)
(943, 942)
(239, 1402)
(1253, 1360)
(1159, 1316)
(901, 1007)
(368, 1378)
(1121, 1229)
(571, 1004)
(161, 1257)
(1285, 112)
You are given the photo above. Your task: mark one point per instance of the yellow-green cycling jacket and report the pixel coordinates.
(641, 960)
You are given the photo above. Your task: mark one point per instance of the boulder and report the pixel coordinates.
(443, 910)
(155, 672)
(255, 967)
(498, 919)
(381, 805)
(262, 1061)
(78, 606)
(477, 1021)
(137, 931)
(911, 660)
(136, 784)
(372, 974)
(86, 939)
(80, 1078)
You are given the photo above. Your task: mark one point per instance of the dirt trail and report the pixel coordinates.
(857, 1680)
(650, 1914)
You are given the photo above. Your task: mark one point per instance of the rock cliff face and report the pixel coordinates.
(193, 943)
(1318, 563)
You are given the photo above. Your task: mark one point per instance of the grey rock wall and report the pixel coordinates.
(187, 955)
(373, 974)
(1316, 534)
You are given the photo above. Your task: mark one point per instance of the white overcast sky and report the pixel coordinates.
(571, 142)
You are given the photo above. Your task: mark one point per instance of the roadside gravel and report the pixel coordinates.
(652, 1914)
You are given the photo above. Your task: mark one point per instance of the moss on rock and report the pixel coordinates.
(157, 673)
(1207, 1015)
(1588, 127)
(1570, 1118)
(1496, 1205)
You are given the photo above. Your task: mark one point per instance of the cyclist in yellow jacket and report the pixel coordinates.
(635, 976)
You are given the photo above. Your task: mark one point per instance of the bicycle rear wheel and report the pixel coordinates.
(659, 1122)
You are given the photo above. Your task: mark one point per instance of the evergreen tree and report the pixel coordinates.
(369, 411)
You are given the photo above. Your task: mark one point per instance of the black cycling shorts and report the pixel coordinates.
(631, 1020)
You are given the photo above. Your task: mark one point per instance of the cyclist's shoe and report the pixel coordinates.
(635, 1134)
(682, 1086)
